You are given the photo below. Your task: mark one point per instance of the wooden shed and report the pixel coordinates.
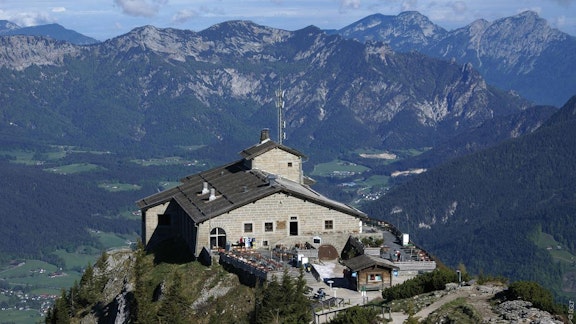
(367, 272)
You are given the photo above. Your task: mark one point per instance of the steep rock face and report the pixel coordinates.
(402, 32)
(20, 52)
(521, 53)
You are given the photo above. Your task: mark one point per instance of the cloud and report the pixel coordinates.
(409, 5)
(349, 4)
(26, 19)
(184, 15)
(58, 9)
(141, 8)
(459, 7)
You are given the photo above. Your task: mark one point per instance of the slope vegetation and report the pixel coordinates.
(489, 209)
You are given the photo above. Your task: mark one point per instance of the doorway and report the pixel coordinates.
(294, 228)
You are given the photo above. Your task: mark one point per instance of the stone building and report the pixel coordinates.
(261, 200)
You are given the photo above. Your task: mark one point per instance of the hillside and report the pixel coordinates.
(133, 286)
(493, 210)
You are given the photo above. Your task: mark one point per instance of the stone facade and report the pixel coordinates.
(280, 162)
(283, 213)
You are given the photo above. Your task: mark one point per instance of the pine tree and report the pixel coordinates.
(141, 310)
(87, 293)
(174, 303)
(60, 312)
(283, 302)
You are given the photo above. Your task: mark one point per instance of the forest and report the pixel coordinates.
(489, 209)
(48, 210)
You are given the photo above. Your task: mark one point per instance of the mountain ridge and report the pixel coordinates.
(521, 53)
(55, 31)
(242, 63)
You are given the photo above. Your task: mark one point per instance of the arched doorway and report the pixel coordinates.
(217, 238)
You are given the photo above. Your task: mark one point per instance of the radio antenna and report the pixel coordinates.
(280, 107)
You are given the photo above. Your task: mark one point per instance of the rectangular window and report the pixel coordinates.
(247, 227)
(328, 224)
(268, 227)
(374, 277)
(289, 164)
(164, 220)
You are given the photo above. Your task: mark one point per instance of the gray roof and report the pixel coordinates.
(235, 186)
(365, 261)
(266, 146)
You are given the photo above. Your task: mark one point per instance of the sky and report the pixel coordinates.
(105, 19)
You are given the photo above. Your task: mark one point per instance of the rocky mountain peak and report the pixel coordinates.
(243, 31)
(403, 31)
(414, 18)
(7, 26)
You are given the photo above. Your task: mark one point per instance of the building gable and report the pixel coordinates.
(233, 194)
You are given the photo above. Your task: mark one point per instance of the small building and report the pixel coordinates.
(368, 272)
(261, 200)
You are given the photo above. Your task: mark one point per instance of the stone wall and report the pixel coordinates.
(280, 210)
(280, 162)
(150, 221)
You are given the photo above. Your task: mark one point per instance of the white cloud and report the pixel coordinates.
(349, 4)
(26, 19)
(141, 8)
(184, 15)
(58, 9)
(459, 7)
(409, 5)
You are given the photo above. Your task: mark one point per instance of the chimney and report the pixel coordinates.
(205, 188)
(212, 194)
(264, 135)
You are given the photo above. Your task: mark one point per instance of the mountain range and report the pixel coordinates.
(521, 53)
(160, 92)
(155, 89)
(54, 31)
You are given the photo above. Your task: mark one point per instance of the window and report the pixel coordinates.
(247, 227)
(328, 224)
(268, 227)
(289, 164)
(374, 277)
(164, 220)
(217, 238)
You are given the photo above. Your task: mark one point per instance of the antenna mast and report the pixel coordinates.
(280, 107)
